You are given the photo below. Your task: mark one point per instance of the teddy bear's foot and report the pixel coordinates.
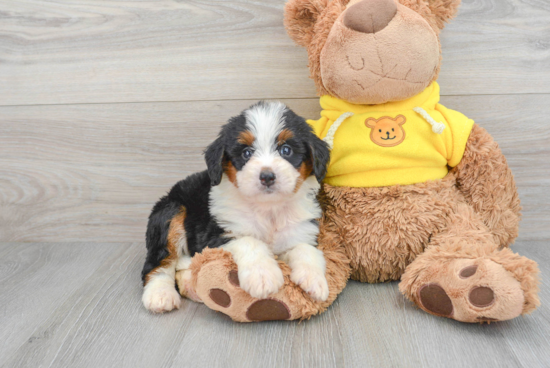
(473, 291)
(212, 278)
(497, 286)
(218, 286)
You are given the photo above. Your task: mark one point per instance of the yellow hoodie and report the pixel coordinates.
(404, 142)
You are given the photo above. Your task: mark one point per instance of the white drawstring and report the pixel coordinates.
(436, 127)
(329, 138)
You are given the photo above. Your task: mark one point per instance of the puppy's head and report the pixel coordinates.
(267, 152)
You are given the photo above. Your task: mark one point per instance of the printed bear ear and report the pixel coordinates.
(400, 120)
(371, 122)
(443, 10)
(300, 18)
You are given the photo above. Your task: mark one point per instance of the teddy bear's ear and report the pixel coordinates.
(443, 10)
(300, 17)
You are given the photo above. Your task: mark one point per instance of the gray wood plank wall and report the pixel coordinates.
(91, 172)
(104, 107)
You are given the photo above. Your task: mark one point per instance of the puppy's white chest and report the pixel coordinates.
(266, 224)
(280, 225)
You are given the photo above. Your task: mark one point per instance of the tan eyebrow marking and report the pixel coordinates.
(246, 137)
(284, 136)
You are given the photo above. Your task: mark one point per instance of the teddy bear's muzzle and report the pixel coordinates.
(359, 67)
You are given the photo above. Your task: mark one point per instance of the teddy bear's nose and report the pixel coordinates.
(370, 16)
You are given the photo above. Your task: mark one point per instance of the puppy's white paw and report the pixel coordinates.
(160, 299)
(311, 281)
(262, 278)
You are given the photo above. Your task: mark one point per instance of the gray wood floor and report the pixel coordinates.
(78, 305)
(105, 104)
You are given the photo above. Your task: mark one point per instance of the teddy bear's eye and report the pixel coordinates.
(393, 130)
(380, 130)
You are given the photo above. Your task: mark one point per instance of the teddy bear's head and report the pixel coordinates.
(370, 51)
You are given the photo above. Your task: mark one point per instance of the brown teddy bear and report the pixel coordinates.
(414, 191)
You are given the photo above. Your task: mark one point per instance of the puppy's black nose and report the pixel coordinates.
(267, 177)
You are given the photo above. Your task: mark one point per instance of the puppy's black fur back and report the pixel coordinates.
(192, 196)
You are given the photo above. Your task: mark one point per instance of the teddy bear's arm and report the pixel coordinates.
(487, 183)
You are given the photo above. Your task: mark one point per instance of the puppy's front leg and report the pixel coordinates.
(259, 272)
(308, 270)
(159, 293)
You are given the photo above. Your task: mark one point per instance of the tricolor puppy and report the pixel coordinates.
(256, 200)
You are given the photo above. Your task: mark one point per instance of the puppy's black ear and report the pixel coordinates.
(320, 156)
(213, 155)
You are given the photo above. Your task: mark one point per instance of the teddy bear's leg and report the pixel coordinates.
(486, 181)
(212, 278)
(465, 275)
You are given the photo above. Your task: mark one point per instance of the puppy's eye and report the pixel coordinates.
(285, 150)
(247, 153)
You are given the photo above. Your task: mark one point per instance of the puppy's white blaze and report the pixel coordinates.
(265, 121)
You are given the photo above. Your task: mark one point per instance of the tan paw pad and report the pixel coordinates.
(220, 297)
(481, 297)
(468, 271)
(234, 278)
(268, 310)
(435, 300)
